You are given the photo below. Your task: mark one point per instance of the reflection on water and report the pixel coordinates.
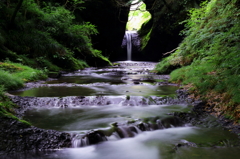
(86, 79)
(135, 90)
(55, 92)
(94, 117)
(111, 77)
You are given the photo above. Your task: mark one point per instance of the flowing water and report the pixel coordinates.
(122, 112)
(129, 45)
(130, 42)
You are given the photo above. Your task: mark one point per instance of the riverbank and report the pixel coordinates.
(208, 64)
(19, 137)
(166, 112)
(16, 137)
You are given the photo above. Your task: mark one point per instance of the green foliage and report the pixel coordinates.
(145, 39)
(2, 89)
(168, 64)
(13, 75)
(77, 64)
(9, 81)
(9, 67)
(24, 122)
(46, 35)
(209, 54)
(200, 73)
(27, 73)
(137, 17)
(7, 107)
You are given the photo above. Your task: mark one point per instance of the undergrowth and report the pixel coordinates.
(209, 57)
(42, 37)
(12, 77)
(46, 35)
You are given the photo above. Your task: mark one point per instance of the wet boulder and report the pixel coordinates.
(184, 143)
(95, 137)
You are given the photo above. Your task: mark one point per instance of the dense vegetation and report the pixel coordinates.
(39, 37)
(208, 59)
(45, 34)
(13, 76)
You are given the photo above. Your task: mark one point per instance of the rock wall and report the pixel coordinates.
(161, 33)
(136, 43)
(110, 18)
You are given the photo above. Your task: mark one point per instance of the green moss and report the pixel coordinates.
(25, 122)
(13, 75)
(7, 107)
(29, 74)
(145, 39)
(9, 81)
(168, 64)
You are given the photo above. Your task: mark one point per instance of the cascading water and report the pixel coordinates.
(131, 42)
(122, 112)
(117, 132)
(129, 45)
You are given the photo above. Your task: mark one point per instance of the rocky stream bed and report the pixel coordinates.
(108, 112)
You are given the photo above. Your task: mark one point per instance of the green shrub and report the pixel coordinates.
(45, 33)
(168, 64)
(9, 81)
(1, 92)
(209, 54)
(28, 74)
(13, 75)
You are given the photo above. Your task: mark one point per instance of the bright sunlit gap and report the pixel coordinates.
(137, 16)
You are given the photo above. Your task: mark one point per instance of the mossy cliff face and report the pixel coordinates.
(110, 17)
(161, 33)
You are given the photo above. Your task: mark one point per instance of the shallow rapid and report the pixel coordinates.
(121, 112)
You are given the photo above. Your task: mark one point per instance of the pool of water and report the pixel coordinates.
(85, 118)
(62, 91)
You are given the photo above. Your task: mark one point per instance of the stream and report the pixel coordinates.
(122, 112)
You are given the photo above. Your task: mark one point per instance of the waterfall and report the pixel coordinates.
(129, 45)
(131, 42)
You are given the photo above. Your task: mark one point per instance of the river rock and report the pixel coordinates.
(31, 138)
